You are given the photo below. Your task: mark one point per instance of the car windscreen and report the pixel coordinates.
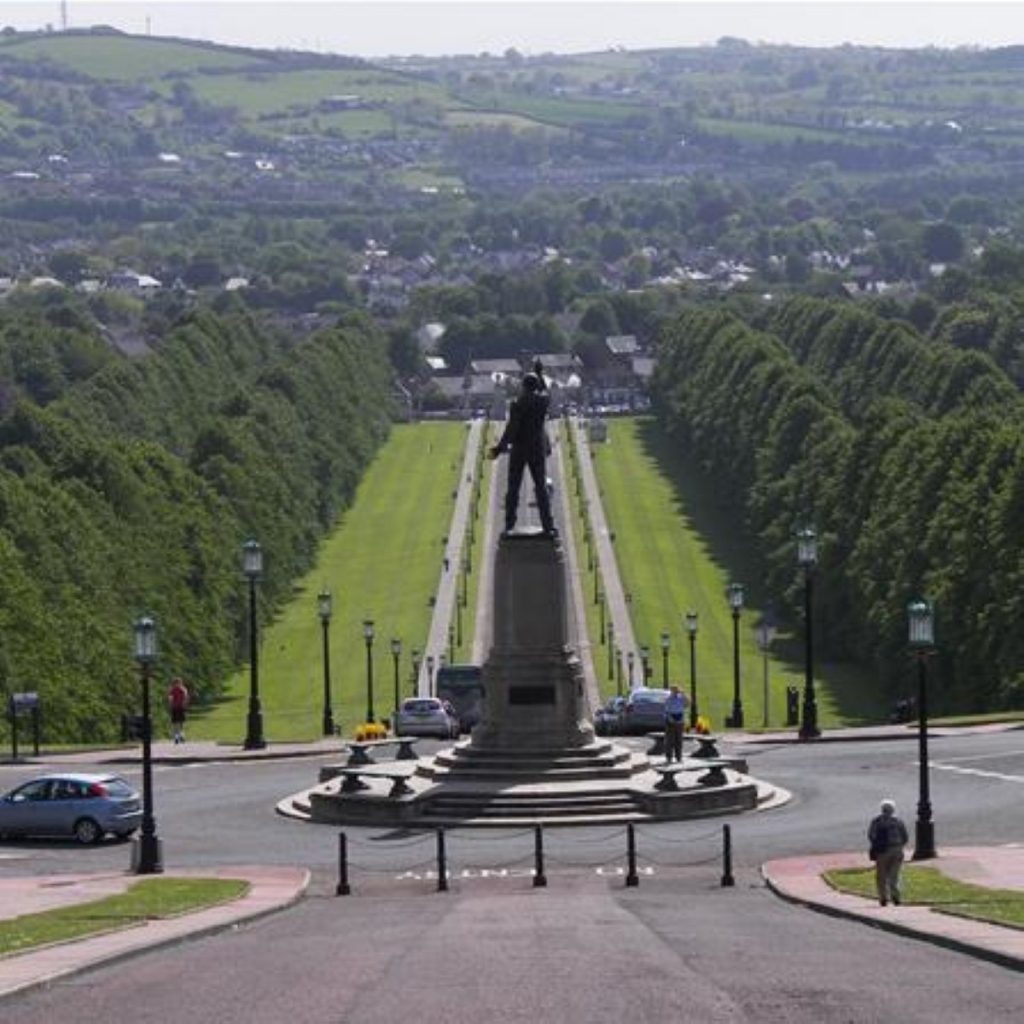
(420, 706)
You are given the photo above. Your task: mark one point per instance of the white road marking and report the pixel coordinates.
(979, 772)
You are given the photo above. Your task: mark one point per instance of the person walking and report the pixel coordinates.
(526, 441)
(675, 713)
(177, 702)
(888, 836)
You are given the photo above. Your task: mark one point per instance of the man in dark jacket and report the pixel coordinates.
(526, 441)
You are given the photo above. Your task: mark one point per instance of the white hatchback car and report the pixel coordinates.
(426, 716)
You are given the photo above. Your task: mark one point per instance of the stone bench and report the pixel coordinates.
(714, 774)
(353, 780)
(361, 751)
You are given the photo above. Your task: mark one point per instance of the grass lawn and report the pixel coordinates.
(145, 900)
(929, 887)
(382, 562)
(678, 548)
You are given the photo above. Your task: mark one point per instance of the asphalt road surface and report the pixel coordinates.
(585, 948)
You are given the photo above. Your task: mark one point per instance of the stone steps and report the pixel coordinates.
(531, 806)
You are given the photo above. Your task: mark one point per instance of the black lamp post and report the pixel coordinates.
(630, 658)
(368, 637)
(735, 593)
(451, 645)
(611, 650)
(807, 558)
(430, 675)
(618, 672)
(664, 659)
(415, 670)
(396, 654)
(252, 567)
(601, 612)
(764, 633)
(922, 642)
(645, 663)
(323, 601)
(148, 861)
(691, 629)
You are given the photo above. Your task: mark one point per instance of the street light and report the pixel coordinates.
(920, 615)
(645, 662)
(618, 672)
(611, 650)
(430, 675)
(691, 629)
(323, 601)
(807, 558)
(415, 670)
(148, 861)
(664, 659)
(368, 637)
(451, 645)
(764, 633)
(629, 661)
(601, 609)
(396, 653)
(252, 567)
(735, 594)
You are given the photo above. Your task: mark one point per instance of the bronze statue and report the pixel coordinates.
(527, 443)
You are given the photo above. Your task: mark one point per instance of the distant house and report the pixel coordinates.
(131, 281)
(428, 335)
(234, 284)
(622, 344)
(436, 364)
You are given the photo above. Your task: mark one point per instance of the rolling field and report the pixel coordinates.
(382, 562)
(678, 550)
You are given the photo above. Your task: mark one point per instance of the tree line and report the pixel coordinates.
(134, 488)
(907, 456)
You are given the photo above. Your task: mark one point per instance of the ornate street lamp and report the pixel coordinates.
(618, 672)
(252, 568)
(149, 861)
(396, 654)
(415, 654)
(735, 595)
(451, 645)
(611, 650)
(920, 616)
(807, 559)
(764, 634)
(368, 637)
(645, 662)
(664, 659)
(629, 661)
(602, 612)
(430, 675)
(691, 629)
(324, 609)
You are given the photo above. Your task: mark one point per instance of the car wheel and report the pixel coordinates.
(87, 831)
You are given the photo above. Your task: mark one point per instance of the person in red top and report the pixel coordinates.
(177, 700)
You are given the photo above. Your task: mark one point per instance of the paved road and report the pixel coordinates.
(584, 948)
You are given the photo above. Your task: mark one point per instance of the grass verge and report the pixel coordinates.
(149, 899)
(931, 888)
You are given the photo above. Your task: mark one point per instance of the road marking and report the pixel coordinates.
(472, 873)
(979, 772)
(985, 757)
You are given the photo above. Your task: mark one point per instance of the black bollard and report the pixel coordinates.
(342, 888)
(727, 878)
(539, 878)
(442, 863)
(632, 879)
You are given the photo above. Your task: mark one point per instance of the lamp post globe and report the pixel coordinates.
(252, 569)
(735, 595)
(368, 637)
(324, 610)
(148, 860)
(921, 622)
(691, 630)
(807, 559)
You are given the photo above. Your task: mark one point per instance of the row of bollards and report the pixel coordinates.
(539, 878)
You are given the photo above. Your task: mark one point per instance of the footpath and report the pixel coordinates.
(796, 879)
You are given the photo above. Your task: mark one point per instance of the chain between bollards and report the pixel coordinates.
(727, 878)
(342, 888)
(442, 863)
(632, 879)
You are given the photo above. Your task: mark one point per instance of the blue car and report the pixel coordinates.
(74, 804)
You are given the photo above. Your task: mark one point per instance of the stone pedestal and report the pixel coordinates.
(533, 680)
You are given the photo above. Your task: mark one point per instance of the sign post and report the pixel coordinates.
(18, 703)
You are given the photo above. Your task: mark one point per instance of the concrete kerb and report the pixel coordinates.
(271, 890)
(798, 881)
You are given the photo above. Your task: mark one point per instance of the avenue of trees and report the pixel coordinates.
(906, 454)
(131, 488)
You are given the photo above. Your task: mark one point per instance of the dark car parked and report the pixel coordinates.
(644, 710)
(607, 718)
(73, 804)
